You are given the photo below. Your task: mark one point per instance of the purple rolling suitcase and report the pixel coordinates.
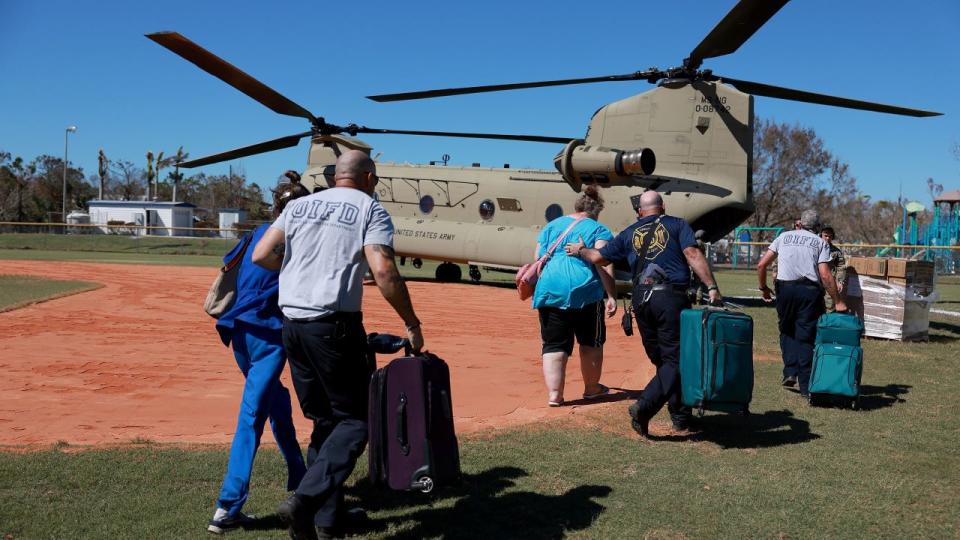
(412, 441)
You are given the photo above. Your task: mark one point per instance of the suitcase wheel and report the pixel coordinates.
(424, 484)
(854, 404)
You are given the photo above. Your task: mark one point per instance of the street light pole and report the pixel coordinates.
(66, 134)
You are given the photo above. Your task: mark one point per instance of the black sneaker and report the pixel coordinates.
(221, 522)
(298, 519)
(639, 421)
(789, 381)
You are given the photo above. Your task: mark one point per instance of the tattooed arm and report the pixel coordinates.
(394, 289)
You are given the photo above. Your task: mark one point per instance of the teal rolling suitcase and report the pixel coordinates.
(716, 360)
(836, 371)
(839, 329)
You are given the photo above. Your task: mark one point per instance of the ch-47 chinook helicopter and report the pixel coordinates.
(700, 125)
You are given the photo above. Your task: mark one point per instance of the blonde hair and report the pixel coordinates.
(590, 202)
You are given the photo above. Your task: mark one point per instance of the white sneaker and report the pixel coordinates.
(221, 522)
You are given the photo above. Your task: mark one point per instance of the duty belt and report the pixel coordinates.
(642, 293)
(663, 287)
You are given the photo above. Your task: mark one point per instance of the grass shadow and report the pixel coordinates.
(765, 430)
(950, 328)
(878, 397)
(485, 509)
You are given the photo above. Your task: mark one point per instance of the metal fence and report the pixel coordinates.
(124, 238)
(746, 255)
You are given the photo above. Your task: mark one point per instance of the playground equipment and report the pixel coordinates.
(942, 231)
(743, 251)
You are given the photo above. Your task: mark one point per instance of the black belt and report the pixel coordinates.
(336, 316)
(801, 281)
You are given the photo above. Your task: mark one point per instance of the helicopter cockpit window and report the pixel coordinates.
(426, 204)
(553, 212)
(487, 210)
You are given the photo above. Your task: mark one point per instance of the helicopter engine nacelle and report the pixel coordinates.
(581, 164)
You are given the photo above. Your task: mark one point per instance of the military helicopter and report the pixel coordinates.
(694, 131)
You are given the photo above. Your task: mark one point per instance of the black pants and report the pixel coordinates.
(331, 373)
(659, 322)
(798, 308)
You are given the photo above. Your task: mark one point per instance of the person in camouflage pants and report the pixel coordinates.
(838, 267)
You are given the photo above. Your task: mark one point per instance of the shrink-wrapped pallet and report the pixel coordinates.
(896, 311)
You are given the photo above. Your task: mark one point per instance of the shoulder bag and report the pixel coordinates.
(224, 288)
(529, 273)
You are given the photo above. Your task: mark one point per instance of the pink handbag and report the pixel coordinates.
(528, 274)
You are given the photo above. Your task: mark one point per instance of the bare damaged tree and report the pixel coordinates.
(127, 179)
(789, 163)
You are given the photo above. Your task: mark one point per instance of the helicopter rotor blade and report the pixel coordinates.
(230, 74)
(778, 92)
(497, 136)
(424, 94)
(734, 29)
(259, 148)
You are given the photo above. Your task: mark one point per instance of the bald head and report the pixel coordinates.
(355, 169)
(651, 203)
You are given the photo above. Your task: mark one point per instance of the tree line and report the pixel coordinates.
(31, 191)
(792, 170)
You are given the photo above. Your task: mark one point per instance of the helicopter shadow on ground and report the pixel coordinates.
(764, 430)
(481, 283)
(484, 509)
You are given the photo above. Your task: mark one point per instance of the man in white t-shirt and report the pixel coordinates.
(803, 273)
(323, 244)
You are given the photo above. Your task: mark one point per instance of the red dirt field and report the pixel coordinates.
(139, 359)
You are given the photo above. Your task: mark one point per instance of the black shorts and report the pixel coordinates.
(559, 326)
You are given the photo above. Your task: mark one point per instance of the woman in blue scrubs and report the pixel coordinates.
(252, 326)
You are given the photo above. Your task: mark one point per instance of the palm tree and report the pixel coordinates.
(150, 172)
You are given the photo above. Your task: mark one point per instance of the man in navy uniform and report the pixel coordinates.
(803, 273)
(661, 280)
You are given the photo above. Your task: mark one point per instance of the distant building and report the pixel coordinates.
(144, 213)
(229, 218)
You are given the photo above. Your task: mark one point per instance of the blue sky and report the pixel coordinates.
(87, 63)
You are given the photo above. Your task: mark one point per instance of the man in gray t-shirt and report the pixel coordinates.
(803, 272)
(323, 244)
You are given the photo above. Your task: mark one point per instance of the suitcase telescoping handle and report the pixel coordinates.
(402, 425)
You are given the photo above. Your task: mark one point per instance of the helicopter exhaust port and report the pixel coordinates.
(580, 164)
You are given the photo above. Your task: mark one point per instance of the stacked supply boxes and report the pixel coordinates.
(897, 295)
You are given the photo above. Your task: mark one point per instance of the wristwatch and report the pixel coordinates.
(713, 288)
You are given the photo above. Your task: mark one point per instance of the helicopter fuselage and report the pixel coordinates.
(701, 134)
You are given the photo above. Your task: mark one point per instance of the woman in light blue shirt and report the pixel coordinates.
(570, 299)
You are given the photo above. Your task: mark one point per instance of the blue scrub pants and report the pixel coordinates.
(259, 354)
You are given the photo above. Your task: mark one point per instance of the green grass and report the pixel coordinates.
(890, 470)
(18, 291)
(117, 243)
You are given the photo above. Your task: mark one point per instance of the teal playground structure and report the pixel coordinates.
(928, 241)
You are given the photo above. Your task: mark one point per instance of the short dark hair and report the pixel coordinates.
(828, 230)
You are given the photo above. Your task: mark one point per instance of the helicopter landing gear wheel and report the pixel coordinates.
(449, 273)
(474, 273)
(417, 263)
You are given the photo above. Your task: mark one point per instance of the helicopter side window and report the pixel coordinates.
(553, 212)
(487, 210)
(426, 204)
